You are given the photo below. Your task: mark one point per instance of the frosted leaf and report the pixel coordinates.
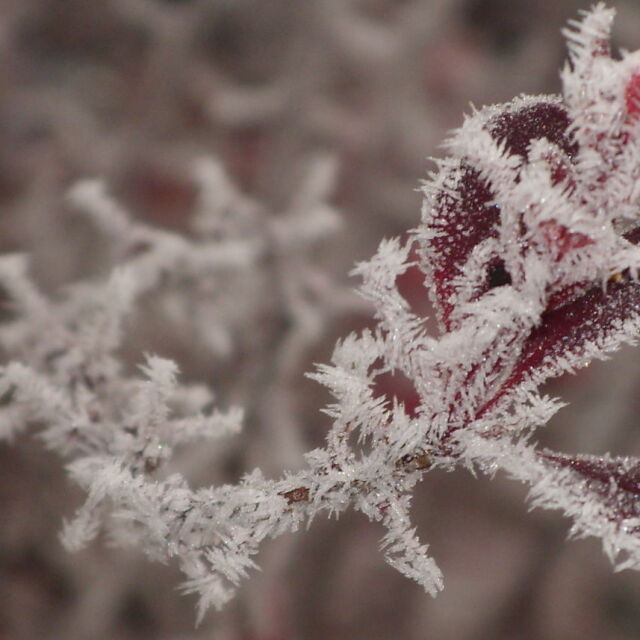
(404, 552)
(601, 494)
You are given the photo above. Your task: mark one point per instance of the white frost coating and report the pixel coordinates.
(471, 401)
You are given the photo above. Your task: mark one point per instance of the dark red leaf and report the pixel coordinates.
(463, 214)
(615, 481)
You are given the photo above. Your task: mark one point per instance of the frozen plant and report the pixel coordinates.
(528, 246)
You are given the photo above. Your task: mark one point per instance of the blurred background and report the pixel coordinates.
(276, 91)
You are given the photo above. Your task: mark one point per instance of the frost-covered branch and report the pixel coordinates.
(528, 246)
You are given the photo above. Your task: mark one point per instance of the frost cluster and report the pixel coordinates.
(528, 247)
